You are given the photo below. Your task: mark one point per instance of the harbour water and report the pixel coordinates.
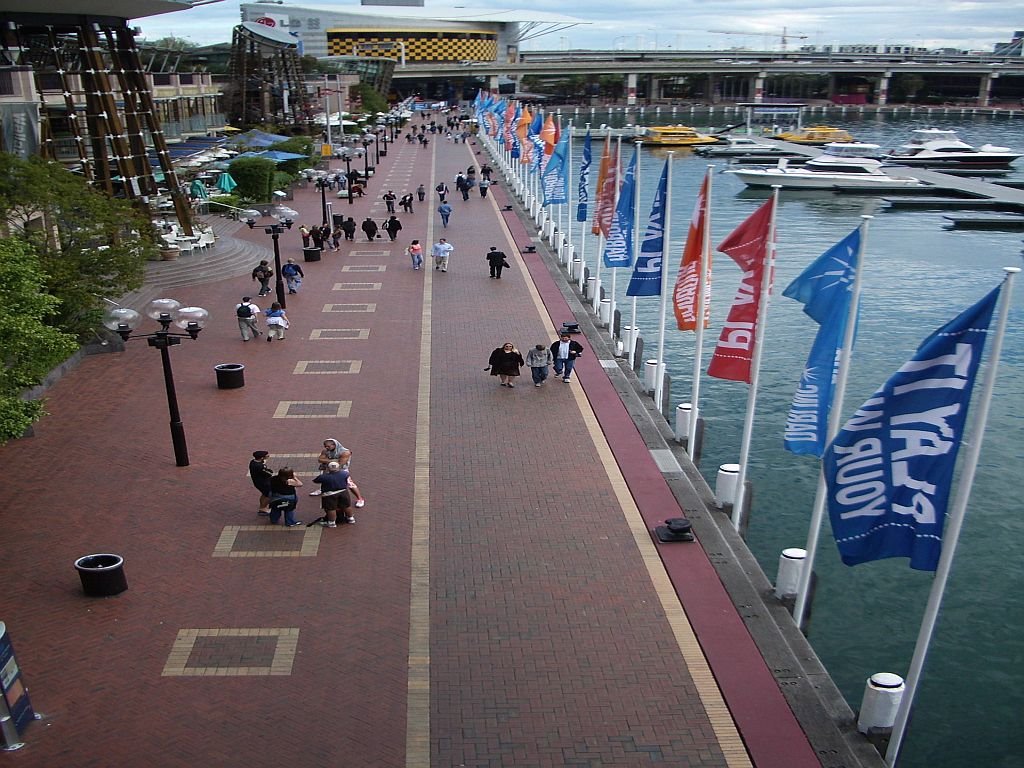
(917, 276)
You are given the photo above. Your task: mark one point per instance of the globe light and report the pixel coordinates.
(187, 315)
(117, 318)
(159, 307)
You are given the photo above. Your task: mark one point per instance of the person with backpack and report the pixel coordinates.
(442, 191)
(277, 322)
(263, 273)
(293, 275)
(248, 315)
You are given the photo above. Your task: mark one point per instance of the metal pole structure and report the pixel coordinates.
(659, 382)
(698, 329)
(322, 183)
(327, 102)
(275, 233)
(162, 341)
(348, 175)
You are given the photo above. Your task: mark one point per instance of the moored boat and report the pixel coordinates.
(741, 147)
(674, 136)
(816, 135)
(841, 166)
(942, 149)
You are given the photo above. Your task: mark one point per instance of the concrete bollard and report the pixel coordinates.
(725, 484)
(650, 375)
(591, 287)
(682, 429)
(791, 565)
(605, 312)
(629, 335)
(575, 268)
(882, 695)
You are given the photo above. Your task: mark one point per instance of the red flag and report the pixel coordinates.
(547, 133)
(607, 184)
(525, 145)
(746, 246)
(689, 281)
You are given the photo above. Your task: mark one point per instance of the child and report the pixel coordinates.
(539, 358)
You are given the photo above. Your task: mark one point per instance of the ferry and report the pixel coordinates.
(816, 135)
(674, 136)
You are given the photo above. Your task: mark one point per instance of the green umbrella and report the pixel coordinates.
(225, 183)
(198, 190)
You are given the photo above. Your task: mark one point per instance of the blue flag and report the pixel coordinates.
(555, 179)
(583, 197)
(618, 250)
(646, 279)
(890, 469)
(516, 150)
(824, 290)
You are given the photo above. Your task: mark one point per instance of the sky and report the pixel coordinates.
(690, 25)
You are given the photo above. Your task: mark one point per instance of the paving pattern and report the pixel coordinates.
(499, 600)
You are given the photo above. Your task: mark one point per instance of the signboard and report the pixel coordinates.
(12, 688)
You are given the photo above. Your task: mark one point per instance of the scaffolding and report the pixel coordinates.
(266, 84)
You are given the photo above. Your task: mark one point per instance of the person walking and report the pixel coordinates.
(497, 261)
(317, 233)
(421, 193)
(484, 186)
(304, 233)
(565, 351)
(441, 251)
(348, 226)
(293, 275)
(415, 252)
(283, 497)
(446, 211)
(442, 191)
(260, 474)
(248, 315)
(369, 227)
(392, 226)
(389, 198)
(538, 359)
(336, 236)
(505, 362)
(406, 202)
(334, 494)
(263, 273)
(277, 322)
(485, 171)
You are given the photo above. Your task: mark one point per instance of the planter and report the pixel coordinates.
(168, 254)
(102, 575)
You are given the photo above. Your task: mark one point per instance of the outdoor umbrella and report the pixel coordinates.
(225, 183)
(198, 190)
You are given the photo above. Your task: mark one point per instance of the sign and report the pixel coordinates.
(13, 693)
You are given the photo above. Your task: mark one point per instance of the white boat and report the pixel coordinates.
(839, 166)
(741, 146)
(941, 149)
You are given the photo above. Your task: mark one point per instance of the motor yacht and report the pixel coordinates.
(942, 149)
(740, 147)
(841, 166)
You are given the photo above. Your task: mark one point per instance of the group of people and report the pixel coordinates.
(248, 315)
(506, 360)
(279, 498)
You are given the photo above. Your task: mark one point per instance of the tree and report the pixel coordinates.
(31, 348)
(371, 100)
(255, 177)
(89, 245)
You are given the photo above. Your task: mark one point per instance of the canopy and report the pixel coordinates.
(225, 183)
(277, 157)
(198, 190)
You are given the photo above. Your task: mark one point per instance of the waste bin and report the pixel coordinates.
(102, 575)
(337, 219)
(230, 375)
(311, 254)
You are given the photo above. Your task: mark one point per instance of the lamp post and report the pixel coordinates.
(321, 184)
(382, 131)
(274, 230)
(165, 311)
(347, 155)
(367, 141)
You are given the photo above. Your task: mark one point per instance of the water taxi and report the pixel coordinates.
(674, 136)
(816, 135)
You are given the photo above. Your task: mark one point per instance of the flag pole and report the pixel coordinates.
(698, 339)
(583, 231)
(565, 235)
(762, 320)
(595, 300)
(615, 207)
(955, 522)
(659, 381)
(636, 241)
(803, 590)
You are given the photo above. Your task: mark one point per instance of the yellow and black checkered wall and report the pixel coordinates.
(421, 45)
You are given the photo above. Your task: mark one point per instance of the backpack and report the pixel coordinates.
(244, 311)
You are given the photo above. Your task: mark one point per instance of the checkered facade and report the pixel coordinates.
(421, 45)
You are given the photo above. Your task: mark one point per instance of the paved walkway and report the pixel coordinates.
(499, 601)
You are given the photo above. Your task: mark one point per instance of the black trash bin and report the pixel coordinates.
(102, 575)
(311, 254)
(230, 375)
(338, 219)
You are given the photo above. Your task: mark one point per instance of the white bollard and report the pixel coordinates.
(605, 312)
(629, 334)
(683, 413)
(575, 268)
(882, 695)
(725, 484)
(650, 375)
(791, 565)
(591, 288)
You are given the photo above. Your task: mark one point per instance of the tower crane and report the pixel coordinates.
(783, 38)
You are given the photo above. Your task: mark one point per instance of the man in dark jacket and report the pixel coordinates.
(369, 227)
(496, 260)
(565, 351)
(348, 226)
(392, 226)
(260, 475)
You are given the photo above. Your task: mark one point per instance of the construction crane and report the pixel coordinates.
(784, 38)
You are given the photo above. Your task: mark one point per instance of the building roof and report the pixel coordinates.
(121, 9)
(438, 13)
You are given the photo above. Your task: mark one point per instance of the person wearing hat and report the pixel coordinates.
(334, 494)
(260, 475)
(566, 352)
(293, 275)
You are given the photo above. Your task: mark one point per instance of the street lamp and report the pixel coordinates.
(274, 230)
(382, 132)
(347, 155)
(123, 321)
(367, 141)
(321, 184)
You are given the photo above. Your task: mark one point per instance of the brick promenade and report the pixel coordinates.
(499, 601)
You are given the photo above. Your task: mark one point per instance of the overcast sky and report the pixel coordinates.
(692, 25)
